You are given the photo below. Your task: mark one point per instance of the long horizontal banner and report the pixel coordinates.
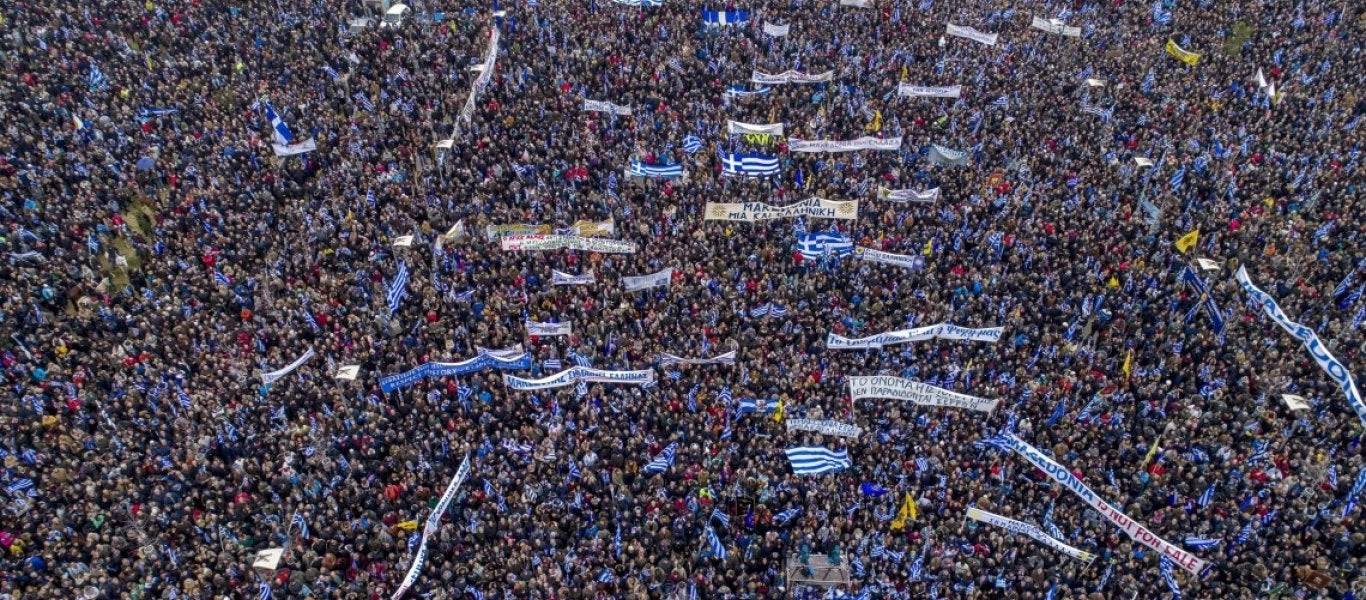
(494, 232)
(863, 143)
(914, 263)
(586, 228)
(501, 360)
(645, 282)
(273, 376)
(1330, 365)
(972, 34)
(908, 195)
(826, 427)
(1055, 27)
(776, 30)
(918, 334)
(738, 128)
(921, 91)
(791, 77)
(607, 107)
(569, 242)
(1030, 530)
(1060, 474)
(559, 278)
(574, 375)
(921, 394)
(723, 359)
(758, 211)
(549, 329)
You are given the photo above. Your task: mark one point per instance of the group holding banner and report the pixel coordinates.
(574, 375)
(758, 211)
(921, 394)
(918, 334)
(568, 242)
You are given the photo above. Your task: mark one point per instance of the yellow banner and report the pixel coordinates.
(1178, 53)
(760, 139)
(591, 229)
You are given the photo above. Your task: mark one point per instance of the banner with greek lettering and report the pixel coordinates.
(645, 282)
(863, 143)
(1330, 365)
(826, 427)
(908, 195)
(574, 375)
(776, 30)
(549, 329)
(558, 278)
(972, 34)
(921, 394)
(512, 359)
(914, 263)
(494, 232)
(1136, 531)
(1030, 530)
(921, 91)
(482, 81)
(429, 529)
(758, 211)
(568, 242)
(308, 145)
(791, 77)
(857, 3)
(1055, 27)
(919, 334)
(585, 228)
(723, 359)
(273, 376)
(607, 107)
(947, 157)
(738, 128)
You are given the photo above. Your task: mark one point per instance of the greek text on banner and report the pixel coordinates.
(568, 242)
(918, 334)
(854, 145)
(574, 375)
(922, 394)
(758, 211)
(1030, 530)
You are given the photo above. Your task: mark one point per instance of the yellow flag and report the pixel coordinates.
(876, 125)
(1128, 364)
(778, 414)
(904, 73)
(907, 511)
(1185, 242)
(928, 249)
(1190, 58)
(1113, 283)
(1151, 452)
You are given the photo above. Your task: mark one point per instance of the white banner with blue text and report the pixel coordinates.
(574, 375)
(548, 329)
(914, 263)
(430, 529)
(908, 195)
(645, 282)
(791, 77)
(559, 278)
(972, 34)
(1055, 27)
(919, 334)
(863, 143)
(607, 107)
(924, 91)
(666, 359)
(826, 427)
(776, 30)
(921, 394)
(1030, 530)
(758, 211)
(273, 376)
(567, 242)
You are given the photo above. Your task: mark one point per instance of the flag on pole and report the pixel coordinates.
(1186, 242)
(907, 511)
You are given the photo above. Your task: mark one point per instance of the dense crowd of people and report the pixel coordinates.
(160, 258)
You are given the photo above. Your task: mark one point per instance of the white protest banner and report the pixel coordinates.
(723, 359)
(921, 394)
(348, 372)
(914, 263)
(826, 427)
(273, 376)
(585, 228)
(558, 278)
(607, 107)
(972, 34)
(549, 329)
(493, 232)
(908, 195)
(513, 352)
(920, 91)
(791, 77)
(1294, 402)
(482, 81)
(738, 128)
(430, 529)
(863, 143)
(1330, 365)
(1060, 474)
(1055, 27)
(1030, 530)
(570, 242)
(645, 282)
(857, 3)
(307, 145)
(776, 30)
(758, 211)
(574, 375)
(919, 334)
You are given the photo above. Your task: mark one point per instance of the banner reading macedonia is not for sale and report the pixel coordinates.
(758, 211)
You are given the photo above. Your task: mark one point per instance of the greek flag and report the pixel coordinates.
(264, 590)
(22, 485)
(574, 470)
(365, 102)
(1203, 543)
(725, 17)
(398, 288)
(692, 144)
(750, 405)
(1333, 476)
(815, 460)
(640, 169)
(98, 82)
(1178, 177)
(219, 277)
(717, 515)
(331, 72)
(756, 165)
(1206, 497)
(1165, 564)
(1346, 283)
(1149, 82)
(661, 462)
(1097, 111)
(714, 544)
(815, 245)
(783, 517)
(283, 136)
(298, 519)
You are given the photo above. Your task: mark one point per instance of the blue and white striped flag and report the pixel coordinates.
(692, 144)
(1149, 82)
(714, 544)
(263, 590)
(298, 520)
(662, 461)
(783, 517)
(1178, 178)
(815, 460)
(283, 136)
(98, 82)
(1206, 497)
(398, 288)
(717, 515)
(222, 279)
(755, 165)
(1165, 565)
(331, 72)
(813, 246)
(1200, 543)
